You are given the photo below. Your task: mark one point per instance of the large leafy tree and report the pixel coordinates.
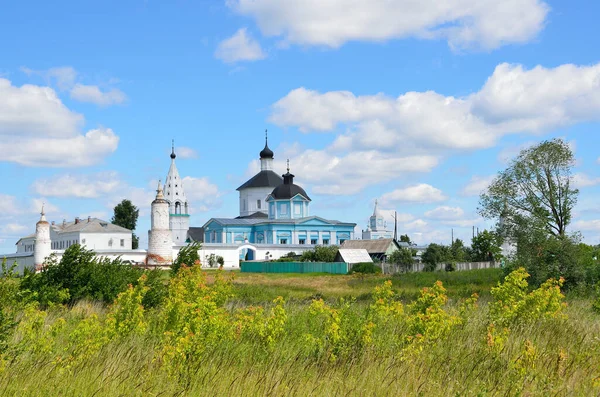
(126, 215)
(486, 247)
(534, 192)
(434, 255)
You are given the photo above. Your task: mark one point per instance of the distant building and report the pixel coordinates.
(377, 227)
(379, 249)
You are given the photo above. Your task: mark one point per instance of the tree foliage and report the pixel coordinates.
(534, 192)
(403, 258)
(434, 255)
(188, 256)
(321, 253)
(486, 247)
(405, 239)
(126, 215)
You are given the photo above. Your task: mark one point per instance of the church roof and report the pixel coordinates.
(265, 178)
(196, 234)
(257, 221)
(93, 225)
(288, 189)
(372, 246)
(256, 215)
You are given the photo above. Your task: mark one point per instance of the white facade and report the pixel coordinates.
(179, 218)
(254, 200)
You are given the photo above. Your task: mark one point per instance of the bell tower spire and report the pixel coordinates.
(179, 221)
(266, 156)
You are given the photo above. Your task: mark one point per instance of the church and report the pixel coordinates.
(275, 211)
(274, 219)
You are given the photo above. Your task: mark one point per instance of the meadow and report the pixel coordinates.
(220, 333)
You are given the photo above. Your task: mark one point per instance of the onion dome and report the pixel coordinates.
(266, 153)
(288, 189)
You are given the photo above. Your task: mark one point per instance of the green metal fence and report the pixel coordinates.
(295, 267)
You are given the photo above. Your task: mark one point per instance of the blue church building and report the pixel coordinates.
(274, 210)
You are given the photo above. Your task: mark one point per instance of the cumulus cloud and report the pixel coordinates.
(477, 185)
(79, 186)
(445, 212)
(592, 225)
(239, 47)
(513, 100)
(10, 207)
(202, 194)
(93, 94)
(333, 174)
(186, 152)
(486, 24)
(64, 77)
(421, 193)
(583, 180)
(13, 229)
(37, 129)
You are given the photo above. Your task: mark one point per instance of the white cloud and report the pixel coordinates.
(483, 24)
(476, 185)
(37, 129)
(587, 225)
(64, 77)
(513, 100)
(13, 230)
(445, 212)
(79, 186)
(10, 207)
(93, 94)
(186, 152)
(201, 193)
(417, 225)
(582, 180)
(239, 47)
(421, 193)
(332, 174)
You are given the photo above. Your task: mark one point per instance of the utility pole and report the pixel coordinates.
(395, 225)
(452, 235)
(473, 231)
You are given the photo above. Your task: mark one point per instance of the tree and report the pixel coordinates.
(434, 255)
(214, 260)
(405, 239)
(126, 215)
(321, 253)
(534, 192)
(403, 258)
(458, 251)
(188, 256)
(486, 247)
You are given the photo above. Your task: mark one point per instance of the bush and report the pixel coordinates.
(365, 268)
(188, 256)
(79, 275)
(321, 253)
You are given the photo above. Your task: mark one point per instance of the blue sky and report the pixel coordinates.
(413, 104)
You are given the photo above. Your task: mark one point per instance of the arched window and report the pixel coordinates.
(186, 208)
(177, 207)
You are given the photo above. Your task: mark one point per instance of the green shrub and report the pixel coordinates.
(188, 256)
(365, 268)
(79, 275)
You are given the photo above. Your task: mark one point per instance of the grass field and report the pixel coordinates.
(365, 338)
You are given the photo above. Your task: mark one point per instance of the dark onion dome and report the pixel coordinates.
(288, 189)
(266, 153)
(265, 178)
(173, 155)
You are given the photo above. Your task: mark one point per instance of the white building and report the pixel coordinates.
(377, 227)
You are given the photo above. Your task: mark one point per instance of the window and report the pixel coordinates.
(325, 242)
(283, 241)
(110, 242)
(283, 209)
(122, 242)
(313, 241)
(258, 204)
(82, 241)
(301, 241)
(342, 240)
(297, 209)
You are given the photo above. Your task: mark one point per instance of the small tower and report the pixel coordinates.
(376, 220)
(179, 218)
(377, 227)
(266, 156)
(42, 248)
(160, 241)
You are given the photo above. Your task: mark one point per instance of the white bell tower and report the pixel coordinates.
(179, 218)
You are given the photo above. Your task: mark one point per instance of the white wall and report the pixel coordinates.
(100, 241)
(251, 195)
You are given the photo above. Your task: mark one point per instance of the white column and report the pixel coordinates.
(333, 238)
(274, 237)
(320, 241)
(223, 237)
